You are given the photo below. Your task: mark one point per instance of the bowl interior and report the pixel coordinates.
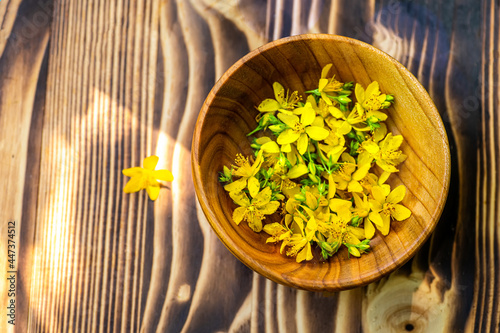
(296, 62)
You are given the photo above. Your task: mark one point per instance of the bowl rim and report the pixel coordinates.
(262, 269)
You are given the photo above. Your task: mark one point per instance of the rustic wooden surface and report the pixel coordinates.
(88, 88)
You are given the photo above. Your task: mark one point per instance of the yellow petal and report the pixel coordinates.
(270, 147)
(373, 88)
(253, 186)
(356, 234)
(263, 197)
(345, 128)
(332, 187)
(357, 200)
(268, 105)
(283, 245)
(254, 222)
(311, 228)
(150, 162)
(386, 167)
(378, 194)
(383, 177)
(348, 158)
(297, 170)
(278, 89)
(292, 158)
(240, 198)
(302, 143)
(336, 112)
(135, 184)
(318, 121)
(400, 212)
(375, 205)
(364, 158)
(386, 226)
(164, 175)
(269, 208)
(311, 202)
(239, 214)
(386, 188)
(361, 172)
(153, 191)
(369, 229)
(380, 132)
(325, 70)
(286, 148)
(305, 253)
(288, 119)
(322, 84)
(379, 115)
(317, 133)
(273, 229)
(326, 99)
(377, 219)
(130, 172)
(334, 154)
(359, 92)
(287, 136)
(236, 186)
(392, 142)
(397, 194)
(308, 115)
(337, 205)
(262, 140)
(354, 186)
(370, 147)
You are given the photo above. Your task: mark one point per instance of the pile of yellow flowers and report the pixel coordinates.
(313, 164)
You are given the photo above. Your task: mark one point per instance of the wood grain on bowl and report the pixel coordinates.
(229, 113)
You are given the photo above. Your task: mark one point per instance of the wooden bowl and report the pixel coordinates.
(228, 114)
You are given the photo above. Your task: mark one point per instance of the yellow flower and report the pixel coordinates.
(344, 233)
(386, 152)
(349, 174)
(253, 210)
(282, 102)
(371, 99)
(300, 130)
(300, 242)
(278, 234)
(299, 247)
(326, 86)
(361, 209)
(247, 172)
(345, 124)
(146, 178)
(283, 179)
(372, 179)
(386, 206)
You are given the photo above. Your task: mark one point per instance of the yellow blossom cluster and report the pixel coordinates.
(316, 163)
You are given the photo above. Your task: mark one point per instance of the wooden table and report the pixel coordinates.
(88, 88)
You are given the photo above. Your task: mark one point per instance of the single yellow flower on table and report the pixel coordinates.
(146, 178)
